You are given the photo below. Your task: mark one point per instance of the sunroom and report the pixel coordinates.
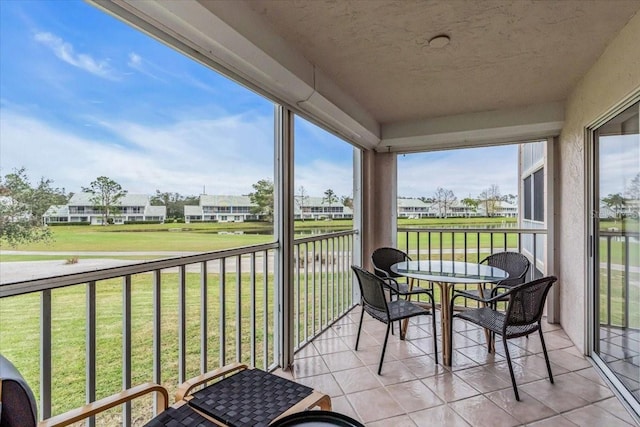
(561, 78)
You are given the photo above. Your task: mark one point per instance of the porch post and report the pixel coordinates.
(553, 298)
(283, 222)
(379, 203)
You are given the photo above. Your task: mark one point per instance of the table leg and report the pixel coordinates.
(445, 318)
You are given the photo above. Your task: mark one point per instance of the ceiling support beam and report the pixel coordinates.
(474, 129)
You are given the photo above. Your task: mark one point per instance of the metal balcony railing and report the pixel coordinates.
(619, 262)
(166, 320)
(323, 283)
(474, 244)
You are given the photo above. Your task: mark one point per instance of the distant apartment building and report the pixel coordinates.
(220, 209)
(318, 208)
(130, 208)
(415, 209)
(239, 209)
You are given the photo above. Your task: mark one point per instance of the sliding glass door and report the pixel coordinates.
(616, 256)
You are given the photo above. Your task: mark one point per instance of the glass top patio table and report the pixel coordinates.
(445, 274)
(449, 271)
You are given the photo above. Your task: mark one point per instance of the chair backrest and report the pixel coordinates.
(372, 291)
(526, 301)
(17, 403)
(514, 263)
(384, 258)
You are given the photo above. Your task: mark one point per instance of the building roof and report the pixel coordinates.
(414, 203)
(191, 210)
(84, 199)
(214, 200)
(57, 210)
(156, 211)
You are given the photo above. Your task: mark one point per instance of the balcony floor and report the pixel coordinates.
(476, 390)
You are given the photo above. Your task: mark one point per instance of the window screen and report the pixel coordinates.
(538, 195)
(527, 197)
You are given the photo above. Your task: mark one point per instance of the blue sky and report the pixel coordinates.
(84, 95)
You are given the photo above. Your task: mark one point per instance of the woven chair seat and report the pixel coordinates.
(494, 321)
(251, 397)
(398, 310)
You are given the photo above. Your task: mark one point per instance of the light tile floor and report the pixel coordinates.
(475, 391)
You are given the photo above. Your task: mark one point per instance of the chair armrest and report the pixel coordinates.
(381, 273)
(468, 295)
(93, 408)
(391, 284)
(500, 296)
(190, 384)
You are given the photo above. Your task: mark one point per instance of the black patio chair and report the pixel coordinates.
(375, 303)
(383, 259)
(521, 318)
(514, 263)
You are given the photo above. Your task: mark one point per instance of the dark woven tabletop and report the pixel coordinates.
(249, 398)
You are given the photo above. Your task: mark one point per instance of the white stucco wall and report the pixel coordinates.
(614, 77)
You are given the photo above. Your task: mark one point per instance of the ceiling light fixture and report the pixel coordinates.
(439, 41)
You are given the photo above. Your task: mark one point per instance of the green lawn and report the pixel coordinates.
(20, 329)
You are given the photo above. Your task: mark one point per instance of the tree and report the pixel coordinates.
(106, 196)
(262, 197)
(427, 200)
(490, 198)
(444, 199)
(633, 190)
(347, 202)
(23, 206)
(330, 198)
(174, 202)
(616, 202)
(470, 203)
(301, 199)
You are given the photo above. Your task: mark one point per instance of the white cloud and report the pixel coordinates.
(65, 51)
(465, 172)
(227, 156)
(321, 175)
(142, 66)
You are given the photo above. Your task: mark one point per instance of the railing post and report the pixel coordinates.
(157, 330)
(45, 354)
(126, 346)
(182, 324)
(204, 318)
(90, 351)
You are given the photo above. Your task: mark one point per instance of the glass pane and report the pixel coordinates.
(85, 96)
(618, 314)
(323, 180)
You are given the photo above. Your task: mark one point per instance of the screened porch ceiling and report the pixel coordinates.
(366, 70)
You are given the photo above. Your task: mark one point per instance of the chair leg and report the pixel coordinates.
(513, 378)
(435, 330)
(359, 328)
(546, 356)
(384, 347)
